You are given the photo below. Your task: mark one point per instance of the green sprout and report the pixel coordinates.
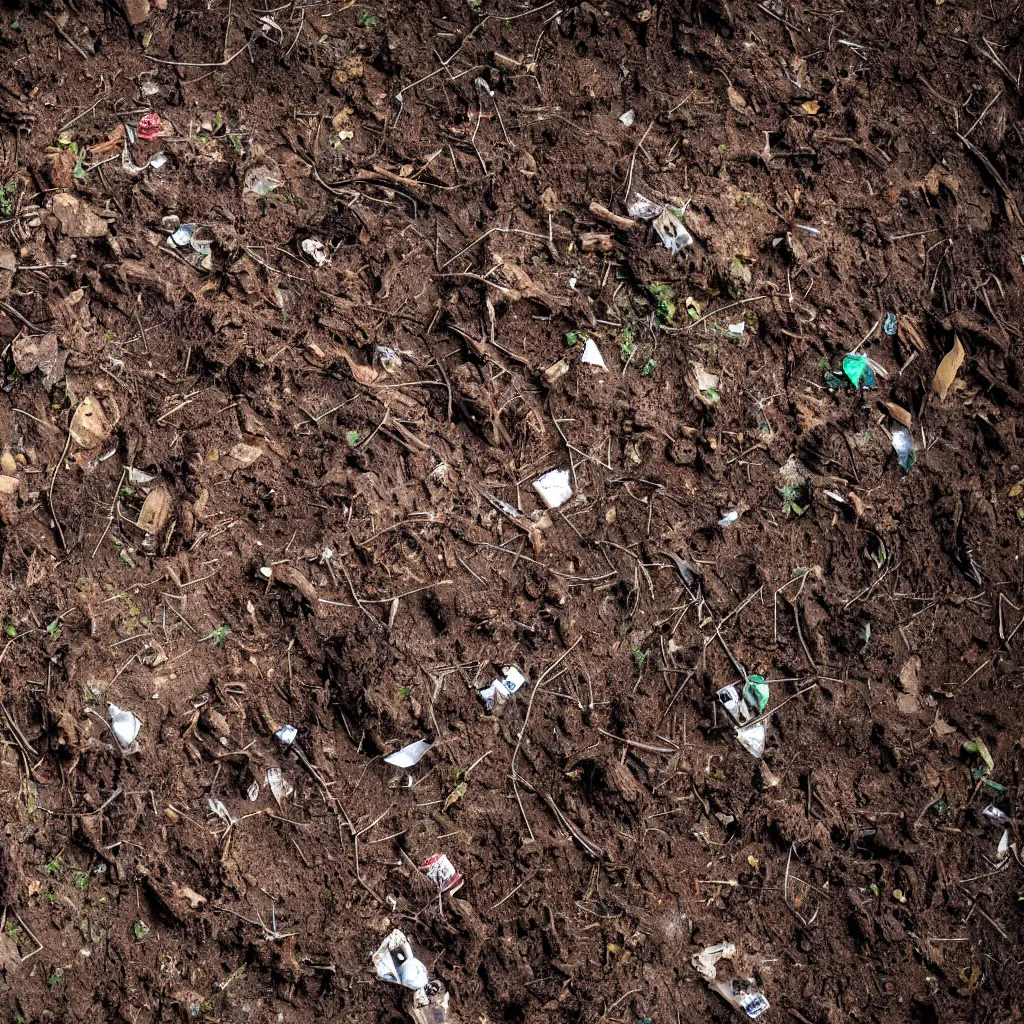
(664, 298)
(7, 197)
(218, 635)
(790, 493)
(648, 367)
(639, 656)
(141, 930)
(54, 866)
(366, 19)
(352, 436)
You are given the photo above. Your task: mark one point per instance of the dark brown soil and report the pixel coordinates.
(321, 544)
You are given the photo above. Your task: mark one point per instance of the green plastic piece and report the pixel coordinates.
(755, 693)
(858, 371)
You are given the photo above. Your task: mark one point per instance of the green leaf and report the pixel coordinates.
(352, 436)
(976, 746)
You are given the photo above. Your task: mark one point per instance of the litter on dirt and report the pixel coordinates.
(395, 963)
(125, 725)
(554, 488)
(903, 445)
(409, 755)
(858, 371)
(440, 870)
(501, 689)
(287, 734)
(591, 354)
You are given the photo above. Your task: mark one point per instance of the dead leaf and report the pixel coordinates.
(156, 510)
(76, 217)
(811, 106)
(910, 683)
(9, 485)
(245, 454)
(736, 100)
(455, 795)
(61, 168)
(90, 425)
(291, 577)
(363, 374)
(942, 728)
(948, 369)
(899, 414)
(704, 380)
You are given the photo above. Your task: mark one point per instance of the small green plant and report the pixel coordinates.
(11, 630)
(664, 301)
(572, 338)
(639, 656)
(7, 197)
(141, 930)
(54, 629)
(366, 19)
(219, 635)
(54, 866)
(81, 880)
(14, 933)
(331, 897)
(57, 977)
(352, 436)
(790, 493)
(648, 367)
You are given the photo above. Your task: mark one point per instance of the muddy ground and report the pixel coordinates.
(225, 509)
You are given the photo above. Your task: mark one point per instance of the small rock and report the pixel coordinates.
(245, 454)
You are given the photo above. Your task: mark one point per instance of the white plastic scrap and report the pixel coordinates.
(280, 789)
(753, 737)
(737, 329)
(739, 993)
(501, 689)
(286, 734)
(729, 518)
(670, 229)
(706, 959)
(1004, 846)
(390, 360)
(315, 250)
(995, 815)
(592, 355)
(253, 792)
(667, 224)
(125, 725)
(642, 208)
(440, 870)
(628, 117)
(554, 488)
(261, 180)
(396, 964)
(217, 807)
(409, 755)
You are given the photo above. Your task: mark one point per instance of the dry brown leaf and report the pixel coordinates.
(948, 369)
(811, 106)
(156, 510)
(9, 485)
(736, 100)
(930, 182)
(899, 414)
(363, 374)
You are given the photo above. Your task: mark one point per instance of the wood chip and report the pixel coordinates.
(899, 414)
